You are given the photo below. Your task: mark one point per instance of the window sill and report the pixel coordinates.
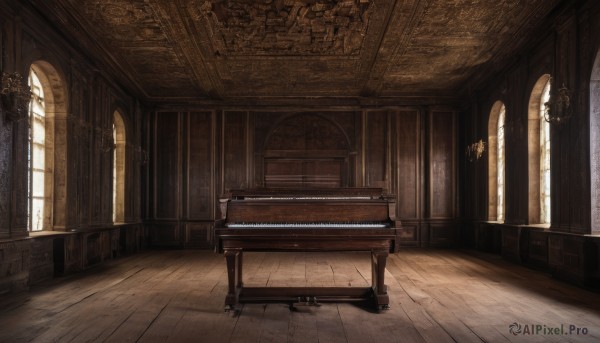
(527, 226)
(537, 226)
(46, 233)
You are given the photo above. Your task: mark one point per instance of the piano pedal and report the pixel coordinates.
(305, 301)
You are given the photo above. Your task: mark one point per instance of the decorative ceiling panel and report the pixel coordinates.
(286, 27)
(228, 49)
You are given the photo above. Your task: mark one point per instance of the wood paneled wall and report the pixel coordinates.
(80, 102)
(409, 168)
(197, 155)
(567, 53)
(566, 50)
(181, 182)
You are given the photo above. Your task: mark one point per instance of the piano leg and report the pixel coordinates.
(378, 261)
(233, 257)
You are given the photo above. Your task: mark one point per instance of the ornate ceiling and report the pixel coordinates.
(178, 50)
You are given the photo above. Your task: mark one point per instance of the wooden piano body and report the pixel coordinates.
(347, 219)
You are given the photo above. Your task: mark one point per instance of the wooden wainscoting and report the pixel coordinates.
(53, 253)
(571, 257)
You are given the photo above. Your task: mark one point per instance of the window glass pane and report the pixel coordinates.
(37, 187)
(544, 159)
(120, 142)
(37, 161)
(114, 173)
(38, 134)
(500, 164)
(36, 154)
(37, 105)
(37, 211)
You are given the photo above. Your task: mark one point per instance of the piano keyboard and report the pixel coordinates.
(308, 225)
(312, 198)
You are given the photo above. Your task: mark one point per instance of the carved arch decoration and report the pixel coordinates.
(595, 145)
(306, 150)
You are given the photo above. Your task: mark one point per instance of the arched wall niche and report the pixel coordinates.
(306, 150)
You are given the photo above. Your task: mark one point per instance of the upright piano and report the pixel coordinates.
(346, 219)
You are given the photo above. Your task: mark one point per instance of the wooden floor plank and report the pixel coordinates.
(303, 325)
(248, 324)
(178, 296)
(275, 324)
(329, 324)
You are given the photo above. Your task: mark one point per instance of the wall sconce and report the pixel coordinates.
(475, 150)
(15, 97)
(558, 109)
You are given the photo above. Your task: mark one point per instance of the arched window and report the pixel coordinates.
(544, 159)
(496, 162)
(118, 168)
(501, 164)
(539, 153)
(47, 149)
(36, 154)
(595, 145)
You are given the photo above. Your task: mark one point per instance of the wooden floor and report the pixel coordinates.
(177, 296)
